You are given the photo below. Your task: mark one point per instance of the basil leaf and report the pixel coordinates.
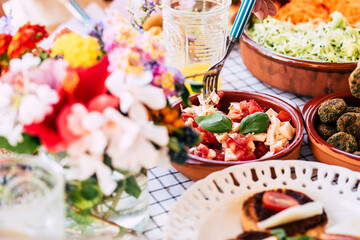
(302, 237)
(215, 123)
(185, 97)
(255, 123)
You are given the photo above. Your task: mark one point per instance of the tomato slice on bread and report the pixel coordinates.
(277, 201)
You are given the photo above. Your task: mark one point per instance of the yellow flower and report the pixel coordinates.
(77, 50)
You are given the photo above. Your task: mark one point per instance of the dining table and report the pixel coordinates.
(166, 185)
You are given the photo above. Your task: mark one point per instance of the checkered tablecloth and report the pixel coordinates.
(167, 185)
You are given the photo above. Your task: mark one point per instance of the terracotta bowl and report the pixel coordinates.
(197, 168)
(323, 151)
(304, 77)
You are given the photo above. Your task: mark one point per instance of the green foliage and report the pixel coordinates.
(254, 123)
(185, 97)
(82, 218)
(84, 195)
(215, 123)
(29, 145)
(132, 187)
(195, 86)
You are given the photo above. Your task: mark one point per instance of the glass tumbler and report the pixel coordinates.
(31, 198)
(195, 33)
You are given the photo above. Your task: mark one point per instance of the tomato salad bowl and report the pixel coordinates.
(198, 167)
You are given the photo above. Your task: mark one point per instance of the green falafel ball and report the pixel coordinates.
(326, 130)
(343, 141)
(354, 83)
(353, 109)
(350, 123)
(330, 110)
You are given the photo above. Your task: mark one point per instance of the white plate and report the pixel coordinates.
(211, 208)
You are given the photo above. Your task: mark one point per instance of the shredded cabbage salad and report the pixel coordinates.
(335, 41)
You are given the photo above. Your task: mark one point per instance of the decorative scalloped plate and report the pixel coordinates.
(210, 209)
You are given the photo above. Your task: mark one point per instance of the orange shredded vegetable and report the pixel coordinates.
(300, 11)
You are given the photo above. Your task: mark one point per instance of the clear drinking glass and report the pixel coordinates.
(195, 33)
(31, 198)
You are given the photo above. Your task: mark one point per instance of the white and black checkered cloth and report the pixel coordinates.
(167, 185)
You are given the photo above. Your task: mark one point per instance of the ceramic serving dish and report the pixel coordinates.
(197, 168)
(304, 77)
(323, 151)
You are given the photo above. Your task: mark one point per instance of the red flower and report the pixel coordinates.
(25, 39)
(4, 42)
(79, 86)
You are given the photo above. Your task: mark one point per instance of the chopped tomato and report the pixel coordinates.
(220, 155)
(284, 116)
(260, 149)
(202, 151)
(220, 94)
(277, 201)
(254, 107)
(185, 117)
(208, 138)
(240, 147)
(329, 236)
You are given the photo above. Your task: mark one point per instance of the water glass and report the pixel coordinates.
(31, 198)
(195, 33)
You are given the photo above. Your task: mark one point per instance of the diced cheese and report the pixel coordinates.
(235, 127)
(260, 137)
(267, 155)
(234, 106)
(271, 135)
(278, 144)
(214, 97)
(189, 121)
(271, 113)
(292, 214)
(233, 135)
(351, 227)
(251, 145)
(221, 137)
(274, 120)
(286, 130)
(211, 154)
(205, 110)
(229, 155)
(273, 131)
(192, 150)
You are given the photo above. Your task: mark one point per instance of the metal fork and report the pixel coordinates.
(211, 79)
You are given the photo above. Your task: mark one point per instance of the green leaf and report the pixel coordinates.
(279, 233)
(28, 146)
(195, 86)
(87, 196)
(255, 123)
(215, 123)
(81, 219)
(185, 97)
(132, 187)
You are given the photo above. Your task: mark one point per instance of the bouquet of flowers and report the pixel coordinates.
(101, 100)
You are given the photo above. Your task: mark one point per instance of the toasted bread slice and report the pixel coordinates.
(254, 211)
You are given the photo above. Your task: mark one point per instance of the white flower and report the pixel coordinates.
(22, 65)
(10, 128)
(132, 89)
(86, 152)
(131, 143)
(36, 105)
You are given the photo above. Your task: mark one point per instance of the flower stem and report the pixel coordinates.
(116, 199)
(129, 231)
